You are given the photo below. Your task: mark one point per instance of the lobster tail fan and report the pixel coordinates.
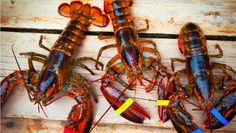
(98, 19)
(75, 5)
(64, 10)
(69, 10)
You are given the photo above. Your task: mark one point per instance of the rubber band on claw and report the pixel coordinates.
(219, 116)
(162, 102)
(199, 130)
(125, 106)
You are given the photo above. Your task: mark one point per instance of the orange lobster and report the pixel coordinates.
(57, 78)
(202, 83)
(132, 61)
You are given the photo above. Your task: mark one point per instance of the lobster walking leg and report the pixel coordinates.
(145, 28)
(173, 60)
(77, 62)
(101, 50)
(41, 44)
(217, 46)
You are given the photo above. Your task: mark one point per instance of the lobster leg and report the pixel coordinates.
(33, 54)
(217, 46)
(102, 49)
(80, 118)
(223, 67)
(41, 44)
(146, 28)
(102, 36)
(173, 60)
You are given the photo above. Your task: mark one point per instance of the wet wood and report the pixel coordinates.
(215, 17)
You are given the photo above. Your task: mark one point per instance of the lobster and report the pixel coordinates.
(57, 78)
(202, 83)
(130, 62)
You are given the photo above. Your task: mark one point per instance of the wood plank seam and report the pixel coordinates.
(96, 33)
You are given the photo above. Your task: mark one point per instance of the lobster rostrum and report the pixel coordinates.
(57, 78)
(129, 61)
(202, 83)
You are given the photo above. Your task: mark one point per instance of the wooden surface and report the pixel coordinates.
(165, 17)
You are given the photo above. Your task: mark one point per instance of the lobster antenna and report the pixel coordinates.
(111, 105)
(40, 105)
(18, 65)
(152, 82)
(95, 80)
(210, 124)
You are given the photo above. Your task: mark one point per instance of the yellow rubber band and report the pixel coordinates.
(125, 106)
(162, 102)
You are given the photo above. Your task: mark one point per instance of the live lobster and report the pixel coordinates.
(202, 83)
(129, 61)
(57, 78)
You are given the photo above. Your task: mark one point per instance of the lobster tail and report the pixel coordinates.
(80, 118)
(76, 10)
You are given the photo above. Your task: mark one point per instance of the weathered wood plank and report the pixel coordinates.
(215, 17)
(18, 104)
(16, 125)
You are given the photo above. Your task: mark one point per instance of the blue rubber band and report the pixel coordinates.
(199, 130)
(219, 116)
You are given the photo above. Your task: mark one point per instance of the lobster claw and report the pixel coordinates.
(225, 112)
(80, 118)
(134, 112)
(164, 95)
(179, 116)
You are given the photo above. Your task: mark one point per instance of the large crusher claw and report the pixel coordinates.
(124, 106)
(80, 118)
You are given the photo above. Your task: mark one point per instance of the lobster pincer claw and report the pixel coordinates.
(222, 113)
(179, 116)
(80, 118)
(163, 96)
(124, 106)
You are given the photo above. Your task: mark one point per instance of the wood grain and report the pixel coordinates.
(215, 17)
(25, 42)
